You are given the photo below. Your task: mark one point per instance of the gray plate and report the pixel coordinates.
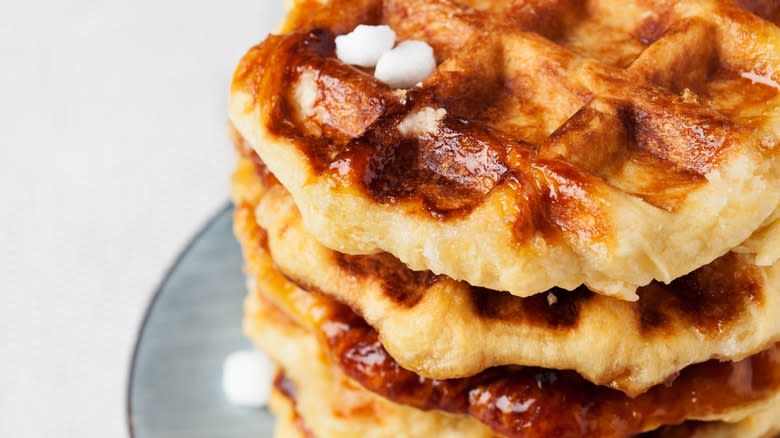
(192, 324)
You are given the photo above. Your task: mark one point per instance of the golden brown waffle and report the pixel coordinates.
(332, 405)
(293, 325)
(604, 143)
(442, 328)
(376, 422)
(562, 401)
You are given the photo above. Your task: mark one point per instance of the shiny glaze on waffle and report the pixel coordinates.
(534, 402)
(449, 174)
(583, 132)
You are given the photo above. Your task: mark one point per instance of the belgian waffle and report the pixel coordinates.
(306, 408)
(442, 328)
(331, 404)
(602, 143)
(558, 403)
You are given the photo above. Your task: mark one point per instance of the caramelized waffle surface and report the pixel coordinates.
(604, 142)
(327, 403)
(442, 328)
(387, 418)
(513, 401)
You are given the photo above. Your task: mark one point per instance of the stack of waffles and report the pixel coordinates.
(569, 229)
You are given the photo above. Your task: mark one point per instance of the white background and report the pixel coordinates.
(112, 153)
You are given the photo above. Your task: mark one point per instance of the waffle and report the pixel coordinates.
(570, 228)
(441, 328)
(374, 421)
(601, 143)
(562, 400)
(332, 405)
(279, 316)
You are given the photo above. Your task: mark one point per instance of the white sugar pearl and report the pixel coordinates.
(364, 45)
(409, 63)
(247, 377)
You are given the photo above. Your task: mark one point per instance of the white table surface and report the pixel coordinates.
(112, 154)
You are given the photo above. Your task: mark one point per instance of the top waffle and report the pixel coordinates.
(602, 143)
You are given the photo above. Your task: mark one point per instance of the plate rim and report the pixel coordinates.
(152, 301)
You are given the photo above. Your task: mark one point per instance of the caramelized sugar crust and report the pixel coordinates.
(465, 159)
(578, 137)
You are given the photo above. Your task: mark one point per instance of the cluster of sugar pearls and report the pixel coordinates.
(365, 45)
(407, 64)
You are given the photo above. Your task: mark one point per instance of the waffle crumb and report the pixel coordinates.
(423, 122)
(306, 92)
(688, 96)
(401, 95)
